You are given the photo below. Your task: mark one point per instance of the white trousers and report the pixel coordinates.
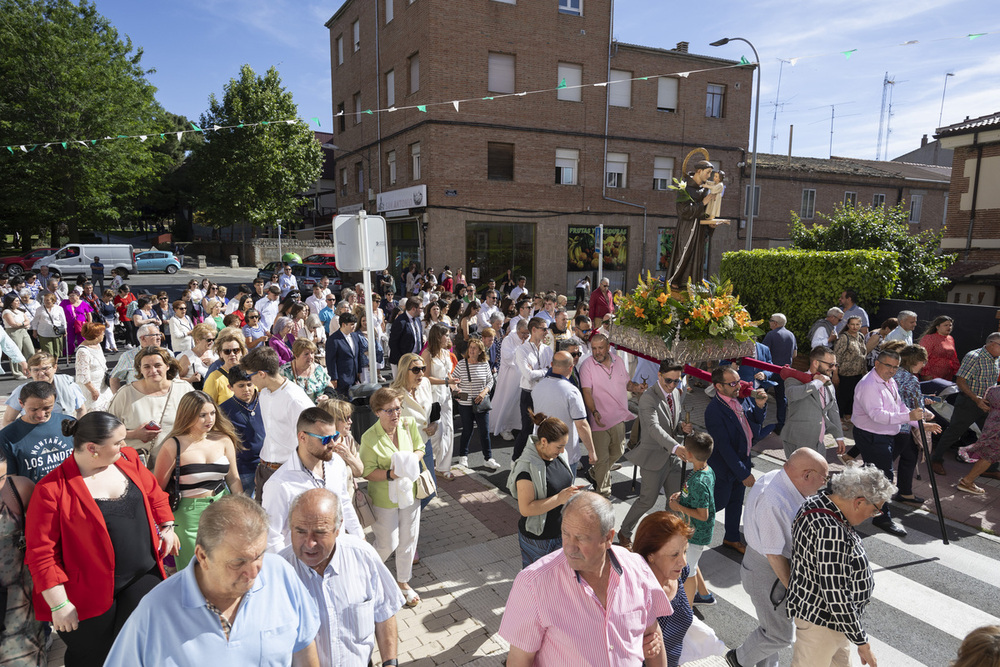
(443, 440)
(398, 530)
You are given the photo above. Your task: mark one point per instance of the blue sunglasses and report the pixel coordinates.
(325, 439)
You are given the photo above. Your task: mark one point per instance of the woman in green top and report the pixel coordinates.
(397, 525)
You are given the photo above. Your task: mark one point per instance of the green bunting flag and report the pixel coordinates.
(369, 112)
(848, 54)
(317, 122)
(973, 35)
(744, 61)
(562, 84)
(422, 108)
(196, 128)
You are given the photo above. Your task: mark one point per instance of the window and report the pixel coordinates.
(567, 162)
(916, 203)
(340, 49)
(341, 117)
(878, 200)
(388, 11)
(715, 101)
(390, 88)
(343, 182)
(415, 161)
(357, 108)
(356, 31)
(615, 169)
(573, 75)
(359, 172)
(663, 171)
(499, 161)
(574, 7)
(808, 210)
(509, 2)
(620, 89)
(944, 211)
(666, 94)
(756, 202)
(391, 160)
(414, 72)
(500, 77)
(850, 199)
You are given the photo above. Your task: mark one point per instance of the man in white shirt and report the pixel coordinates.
(516, 293)
(532, 359)
(268, 306)
(771, 505)
(555, 396)
(317, 301)
(904, 332)
(824, 331)
(315, 463)
(488, 310)
(281, 402)
(347, 579)
(286, 281)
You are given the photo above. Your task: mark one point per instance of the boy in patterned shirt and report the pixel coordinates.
(696, 500)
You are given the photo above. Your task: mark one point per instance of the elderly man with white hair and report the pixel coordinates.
(824, 330)
(904, 331)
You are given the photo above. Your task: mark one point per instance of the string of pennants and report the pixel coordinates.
(86, 143)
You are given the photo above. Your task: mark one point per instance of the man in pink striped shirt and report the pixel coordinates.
(589, 603)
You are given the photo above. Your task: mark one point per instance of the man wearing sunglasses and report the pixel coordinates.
(812, 406)
(729, 423)
(315, 464)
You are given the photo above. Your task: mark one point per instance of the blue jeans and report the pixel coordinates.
(482, 420)
(876, 449)
(532, 549)
(247, 480)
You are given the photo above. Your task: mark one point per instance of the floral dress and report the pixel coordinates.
(91, 367)
(988, 445)
(313, 384)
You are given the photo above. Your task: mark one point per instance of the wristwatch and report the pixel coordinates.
(392, 661)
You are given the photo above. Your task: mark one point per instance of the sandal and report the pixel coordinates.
(447, 476)
(971, 488)
(412, 599)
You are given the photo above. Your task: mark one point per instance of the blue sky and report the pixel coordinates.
(196, 47)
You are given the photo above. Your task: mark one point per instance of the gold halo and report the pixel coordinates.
(684, 167)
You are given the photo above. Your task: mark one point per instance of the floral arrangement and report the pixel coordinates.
(707, 311)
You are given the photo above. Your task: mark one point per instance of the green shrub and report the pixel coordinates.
(804, 284)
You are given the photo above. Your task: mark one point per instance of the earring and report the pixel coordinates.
(94, 454)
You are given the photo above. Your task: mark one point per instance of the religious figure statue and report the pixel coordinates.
(717, 188)
(688, 258)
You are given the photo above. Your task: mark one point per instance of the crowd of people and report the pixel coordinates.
(206, 497)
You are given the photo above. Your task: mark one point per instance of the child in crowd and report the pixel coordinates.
(696, 501)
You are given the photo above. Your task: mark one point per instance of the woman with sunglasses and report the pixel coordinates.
(207, 444)
(230, 348)
(388, 446)
(195, 362)
(254, 332)
(180, 326)
(418, 398)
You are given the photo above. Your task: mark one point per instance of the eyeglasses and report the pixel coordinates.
(734, 383)
(391, 411)
(669, 382)
(585, 332)
(234, 350)
(889, 365)
(181, 308)
(576, 355)
(253, 317)
(163, 298)
(209, 340)
(417, 369)
(876, 510)
(325, 439)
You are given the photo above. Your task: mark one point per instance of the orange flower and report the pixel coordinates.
(639, 312)
(662, 298)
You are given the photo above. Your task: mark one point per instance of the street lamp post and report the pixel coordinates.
(943, 92)
(756, 118)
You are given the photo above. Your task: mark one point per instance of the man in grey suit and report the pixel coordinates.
(659, 453)
(812, 407)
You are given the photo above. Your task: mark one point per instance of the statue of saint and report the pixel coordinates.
(688, 258)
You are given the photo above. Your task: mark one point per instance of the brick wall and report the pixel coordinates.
(986, 226)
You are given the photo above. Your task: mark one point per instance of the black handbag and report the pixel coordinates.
(174, 483)
(58, 330)
(483, 405)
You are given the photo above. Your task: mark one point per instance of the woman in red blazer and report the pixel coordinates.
(98, 527)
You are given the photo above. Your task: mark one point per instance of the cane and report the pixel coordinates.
(930, 471)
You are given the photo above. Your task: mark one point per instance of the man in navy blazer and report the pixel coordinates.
(343, 354)
(406, 333)
(729, 422)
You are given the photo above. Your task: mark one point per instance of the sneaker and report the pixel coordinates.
(731, 659)
(507, 435)
(463, 461)
(704, 600)
(492, 464)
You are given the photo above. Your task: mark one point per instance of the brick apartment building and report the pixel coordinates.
(810, 186)
(974, 209)
(513, 182)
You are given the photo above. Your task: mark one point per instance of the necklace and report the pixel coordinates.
(252, 409)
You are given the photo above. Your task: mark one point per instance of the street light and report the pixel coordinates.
(756, 117)
(940, 115)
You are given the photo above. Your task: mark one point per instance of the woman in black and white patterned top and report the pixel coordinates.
(475, 379)
(831, 580)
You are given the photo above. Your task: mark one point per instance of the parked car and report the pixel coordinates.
(76, 258)
(322, 259)
(157, 260)
(307, 275)
(269, 270)
(18, 264)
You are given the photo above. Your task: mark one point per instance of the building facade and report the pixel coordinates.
(481, 171)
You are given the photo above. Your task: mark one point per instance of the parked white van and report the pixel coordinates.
(75, 259)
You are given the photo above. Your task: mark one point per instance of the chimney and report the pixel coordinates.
(681, 47)
(923, 141)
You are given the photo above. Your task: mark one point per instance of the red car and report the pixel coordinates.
(18, 264)
(321, 259)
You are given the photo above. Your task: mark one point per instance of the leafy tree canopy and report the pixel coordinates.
(888, 229)
(68, 76)
(254, 174)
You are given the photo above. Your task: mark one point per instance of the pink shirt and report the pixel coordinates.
(553, 612)
(610, 389)
(878, 407)
(737, 408)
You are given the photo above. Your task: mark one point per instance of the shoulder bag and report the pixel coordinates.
(57, 329)
(483, 405)
(174, 483)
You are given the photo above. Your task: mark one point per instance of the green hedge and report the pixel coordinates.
(804, 284)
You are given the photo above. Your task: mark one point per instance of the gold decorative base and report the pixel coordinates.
(682, 352)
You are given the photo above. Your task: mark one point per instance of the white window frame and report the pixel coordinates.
(343, 181)
(357, 108)
(414, 67)
(567, 159)
(715, 92)
(571, 7)
(916, 206)
(663, 172)
(389, 11)
(807, 210)
(415, 161)
(506, 2)
(573, 73)
(850, 198)
(359, 169)
(616, 170)
(944, 211)
(620, 89)
(756, 201)
(390, 160)
(878, 200)
(667, 94)
(356, 34)
(390, 88)
(501, 71)
(340, 49)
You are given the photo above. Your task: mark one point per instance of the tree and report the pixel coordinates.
(70, 89)
(171, 197)
(254, 174)
(867, 228)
